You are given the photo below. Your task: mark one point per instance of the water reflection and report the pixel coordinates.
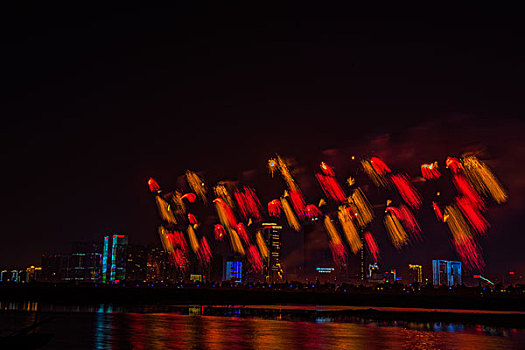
(108, 327)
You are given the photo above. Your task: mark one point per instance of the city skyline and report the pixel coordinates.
(79, 146)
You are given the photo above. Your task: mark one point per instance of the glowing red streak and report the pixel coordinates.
(466, 189)
(327, 170)
(331, 187)
(407, 219)
(469, 253)
(220, 232)
(249, 205)
(191, 197)
(407, 190)
(454, 165)
(437, 210)
(192, 219)
(429, 171)
(371, 245)
(298, 202)
(338, 252)
(177, 240)
(204, 253)
(274, 208)
(312, 211)
(153, 185)
(473, 215)
(255, 258)
(379, 166)
(241, 230)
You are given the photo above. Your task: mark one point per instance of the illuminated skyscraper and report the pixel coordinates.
(416, 274)
(446, 272)
(272, 235)
(114, 258)
(233, 271)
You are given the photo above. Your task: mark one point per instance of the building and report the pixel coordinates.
(84, 267)
(446, 272)
(233, 271)
(136, 265)
(52, 267)
(114, 258)
(33, 273)
(416, 273)
(271, 233)
(157, 266)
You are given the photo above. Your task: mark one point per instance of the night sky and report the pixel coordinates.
(96, 100)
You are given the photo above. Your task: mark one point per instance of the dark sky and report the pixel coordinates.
(96, 100)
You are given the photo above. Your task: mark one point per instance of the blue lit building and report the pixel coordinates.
(114, 258)
(446, 272)
(233, 271)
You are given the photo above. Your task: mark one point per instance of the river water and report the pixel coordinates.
(203, 327)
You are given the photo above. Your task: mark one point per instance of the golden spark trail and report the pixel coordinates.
(194, 243)
(262, 245)
(332, 231)
(196, 184)
(290, 216)
(483, 179)
(165, 211)
(365, 215)
(352, 236)
(396, 231)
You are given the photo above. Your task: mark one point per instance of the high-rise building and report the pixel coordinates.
(272, 235)
(52, 267)
(136, 265)
(83, 267)
(416, 273)
(446, 272)
(233, 271)
(114, 258)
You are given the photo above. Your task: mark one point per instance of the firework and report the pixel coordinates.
(194, 243)
(274, 208)
(379, 166)
(248, 203)
(153, 185)
(298, 203)
(236, 242)
(371, 245)
(196, 184)
(262, 245)
(220, 232)
(221, 191)
(327, 170)
(272, 166)
(226, 215)
(473, 215)
(312, 211)
(290, 216)
(395, 230)
(190, 197)
(332, 231)
(483, 179)
(465, 245)
(454, 165)
(407, 190)
(204, 253)
(255, 258)
(364, 213)
(377, 179)
(338, 252)
(407, 219)
(178, 241)
(331, 187)
(430, 171)
(241, 230)
(349, 229)
(180, 207)
(164, 240)
(192, 219)
(350, 181)
(438, 212)
(165, 210)
(466, 190)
